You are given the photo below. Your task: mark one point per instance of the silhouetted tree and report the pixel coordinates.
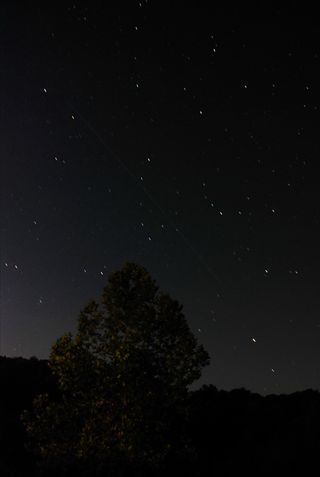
(122, 378)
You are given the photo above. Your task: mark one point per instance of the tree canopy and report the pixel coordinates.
(121, 376)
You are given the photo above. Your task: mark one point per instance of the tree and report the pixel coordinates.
(122, 377)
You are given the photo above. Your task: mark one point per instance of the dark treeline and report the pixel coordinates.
(21, 380)
(229, 432)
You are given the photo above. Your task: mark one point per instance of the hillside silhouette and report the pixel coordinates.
(114, 399)
(230, 431)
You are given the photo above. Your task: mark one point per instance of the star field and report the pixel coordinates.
(183, 139)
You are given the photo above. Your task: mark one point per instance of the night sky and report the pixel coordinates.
(184, 139)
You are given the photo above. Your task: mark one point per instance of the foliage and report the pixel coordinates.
(123, 378)
(228, 432)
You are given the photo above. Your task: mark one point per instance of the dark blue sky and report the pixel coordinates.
(183, 139)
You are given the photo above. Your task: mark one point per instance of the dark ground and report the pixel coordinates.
(230, 431)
